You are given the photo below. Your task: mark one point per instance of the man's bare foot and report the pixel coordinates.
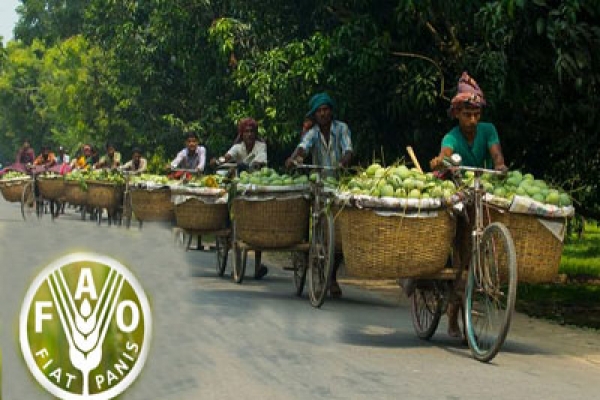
(454, 331)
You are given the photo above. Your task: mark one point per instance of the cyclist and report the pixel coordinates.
(478, 145)
(250, 152)
(84, 160)
(137, 164)
(47, 159)
(192, 157)
(112, 158)
(329, 141)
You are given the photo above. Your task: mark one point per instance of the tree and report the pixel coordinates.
(49, 21)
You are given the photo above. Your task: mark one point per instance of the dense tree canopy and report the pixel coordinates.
(144, 72)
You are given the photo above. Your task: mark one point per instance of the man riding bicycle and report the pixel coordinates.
(478, 145)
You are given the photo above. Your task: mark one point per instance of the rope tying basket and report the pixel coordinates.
(74, 194)
(51, 189)
(538, 248)
(104, 195)
(152, 205)
(13, 189)
(197, 215)
(395, 245)
(273, 223)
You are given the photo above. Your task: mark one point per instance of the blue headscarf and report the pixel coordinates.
(317, 101)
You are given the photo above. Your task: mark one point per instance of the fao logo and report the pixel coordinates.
(85, 327)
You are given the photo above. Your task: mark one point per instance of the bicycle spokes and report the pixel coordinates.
(491, 292)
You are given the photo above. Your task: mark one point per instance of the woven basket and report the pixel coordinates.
(196, 215)
(538, 250)
(12, 190)
(51, 189)
(152, 205)
(74, 194)
(276, 223)
(391, 247)
(104, 195)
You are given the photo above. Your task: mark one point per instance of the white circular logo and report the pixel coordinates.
(85, 327)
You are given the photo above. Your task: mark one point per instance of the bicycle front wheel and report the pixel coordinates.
(28, 202)
(299, 261)
(127, 211)
(320, 258)
(491, 292)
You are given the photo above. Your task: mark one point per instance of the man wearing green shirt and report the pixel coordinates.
(478, 145)
(476, 142)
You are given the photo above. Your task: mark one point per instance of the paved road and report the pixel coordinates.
(215, 339)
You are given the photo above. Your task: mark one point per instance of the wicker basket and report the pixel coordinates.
(104, 195)
(12, 190)
(276, 223)
(391, 247)
(51, 189)
(74, 194)
(152, 205)
(196, 215)
(538, 250)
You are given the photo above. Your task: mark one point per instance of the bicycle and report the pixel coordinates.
(31, 199)
(490, 292)
(321, 251)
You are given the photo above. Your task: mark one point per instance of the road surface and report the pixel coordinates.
(214, 339)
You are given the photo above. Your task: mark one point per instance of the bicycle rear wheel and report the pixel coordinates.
(491, 292)
(320, 258)
(426, 310)
(28, 203)
(239, 263)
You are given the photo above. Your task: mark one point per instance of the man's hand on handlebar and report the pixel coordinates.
(293, 162)
(501, 168)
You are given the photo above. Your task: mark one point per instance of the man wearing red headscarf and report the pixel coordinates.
(478, 145)
(248, 151)
(476, 142)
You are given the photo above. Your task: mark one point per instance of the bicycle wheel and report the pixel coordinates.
(299, 262)
(239, 263)
(28, 203)
(222, 244)
(179, 238)
(491, 292)
(320, 258)
(426, 309)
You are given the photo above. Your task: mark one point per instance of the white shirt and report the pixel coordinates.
(194, 161)
(239, 153)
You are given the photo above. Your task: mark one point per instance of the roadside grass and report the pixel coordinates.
(576, 302)
(582, 256)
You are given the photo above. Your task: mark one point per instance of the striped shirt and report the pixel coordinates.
(328, 154)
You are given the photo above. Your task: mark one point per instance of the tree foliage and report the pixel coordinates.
(147, 71)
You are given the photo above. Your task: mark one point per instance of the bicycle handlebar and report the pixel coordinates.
(226, 165)
(482, 170)
(313, 166)
(191, 171)
(453, 162)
